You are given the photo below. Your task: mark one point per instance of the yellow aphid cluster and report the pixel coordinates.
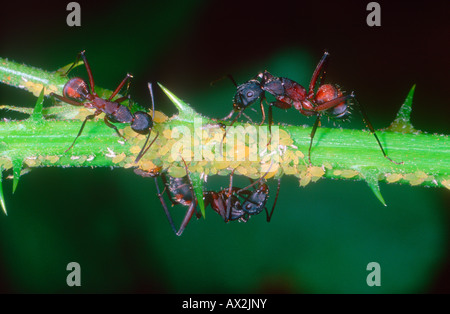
(36, 88)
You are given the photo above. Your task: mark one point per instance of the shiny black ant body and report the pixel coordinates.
(76, 92)
(327, 100)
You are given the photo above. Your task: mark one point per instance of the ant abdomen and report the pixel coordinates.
(327, 93)
(76, 88)
(142, 122)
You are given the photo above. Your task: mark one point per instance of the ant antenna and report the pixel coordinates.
(143, 151)
(150, 88)
(225, 132)
(221, 78)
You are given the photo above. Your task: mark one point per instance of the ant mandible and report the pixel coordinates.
(328, 100)
(76, 92)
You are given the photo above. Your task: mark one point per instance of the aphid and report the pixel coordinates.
(77, 93)
(327, 100)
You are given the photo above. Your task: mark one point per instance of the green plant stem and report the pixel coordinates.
(35, 142)
(336, 153)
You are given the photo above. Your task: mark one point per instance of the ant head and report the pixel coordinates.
(142, 122)
(247, 94)
(76, 88)
(256, 201)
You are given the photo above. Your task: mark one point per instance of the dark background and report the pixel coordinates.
(321, 237)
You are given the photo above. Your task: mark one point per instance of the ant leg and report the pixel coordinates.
(143, 152)
(333, 103)
(124, 81)
(230, 186)
(187, 218)
(319, 108)
(231, 124)
(270, 123)
(89, 71)
(122, 99)
(337, 101)
(112, 126)
(73, 64)
(278, 104)
(227, 215)
(192, 206)
(166, 210)
(270, 118)
(318, 74)
(89, 117)
(313, 132)
(262, 110)
(229, 115)
(372, 130)
(223, 211)
(248, 117)
(66, 100)
(255, 182)
(269, 216)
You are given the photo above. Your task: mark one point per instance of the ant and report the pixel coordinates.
(234, 203)
(328, 100)
(76, 92)
(180, 192)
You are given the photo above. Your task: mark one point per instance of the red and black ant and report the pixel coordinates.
(76, 92)
(179, 191)
(328, 100)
